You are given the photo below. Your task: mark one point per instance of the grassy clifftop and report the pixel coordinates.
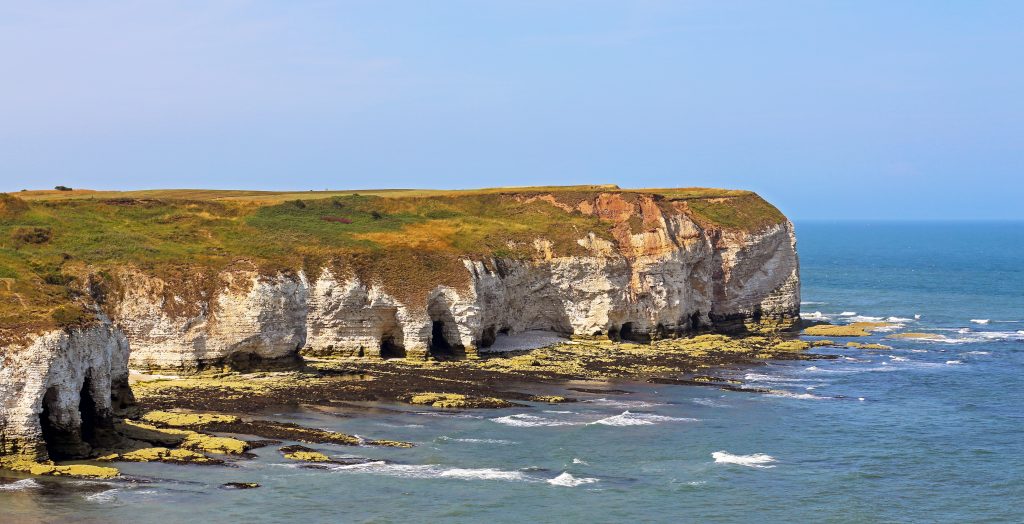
(411, 239)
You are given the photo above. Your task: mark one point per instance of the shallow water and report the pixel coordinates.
(929, 431)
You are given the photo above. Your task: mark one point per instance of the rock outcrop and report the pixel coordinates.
(661, 274)
(651, 267)
(59, 390)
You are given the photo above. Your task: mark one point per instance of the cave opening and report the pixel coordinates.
(439, 345)
(626, 331)
(87, 410)
(62, 440)
(391, 349)
(488, 337)
(695, 321)
(52, 434)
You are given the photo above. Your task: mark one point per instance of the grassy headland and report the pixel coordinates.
(54, 244)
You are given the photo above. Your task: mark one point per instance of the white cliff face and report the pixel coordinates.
(61, 385)
(757, 276)
(347, 318)
(660, 274)
(251, 317)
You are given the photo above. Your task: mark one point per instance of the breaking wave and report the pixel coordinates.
(980, 320)
(428, 471)
(424, 471)
(476, 440)
(566, 479)
(21, 485)
(790, 394)
(624, 404)
(627, 418)
(524, 420)
(757, 460)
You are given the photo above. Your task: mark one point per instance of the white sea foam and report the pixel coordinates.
(953, 362)
(790, 394)
(898, 359)
(757, 460)
(978, 353)
(711, 403)
(477, 440)
(624, 404)
(864, 318)
(482, 474)
(817, 315)
(900, 320)
(848, 314)
(579, 461)
(422, 471)
(103, 497)
(523, 420)
(980, 320)
(567, 480)
(760, 377)
(812, 303)
(917, 317)
(21, 485)
(627, 418)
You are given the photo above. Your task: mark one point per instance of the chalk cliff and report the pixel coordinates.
(645, 266)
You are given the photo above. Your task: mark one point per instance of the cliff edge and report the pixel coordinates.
(185, 280)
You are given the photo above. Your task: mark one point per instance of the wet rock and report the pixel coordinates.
(239, 485)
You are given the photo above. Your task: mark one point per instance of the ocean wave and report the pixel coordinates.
(523, 420)
(812, 303)
(627, 418)
(761, 377)
(446, 414)
(757, 460)
(901, 320)
(477, 440)
(978, 353)
(848, 314)
(425, 471)
(711, 403)
(429, 471)
(980, 320)
(21, 485)
(579, 461)
(817, 315)
(863, 318)
(567, 480)
(103, 497)
(790, 394)
(953, 362)
(624, 404)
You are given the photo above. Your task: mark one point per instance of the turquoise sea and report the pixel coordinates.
(930, 431)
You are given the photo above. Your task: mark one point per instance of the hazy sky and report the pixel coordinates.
(888, 109)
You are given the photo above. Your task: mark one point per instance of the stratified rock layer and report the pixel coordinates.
(58, 392)
(658, 270)
(662, 274)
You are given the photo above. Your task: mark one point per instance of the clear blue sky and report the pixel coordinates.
(881, 109)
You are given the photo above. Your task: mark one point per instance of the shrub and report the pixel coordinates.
(299, 204)
(376, 215)
(32, 235)
(62, 188)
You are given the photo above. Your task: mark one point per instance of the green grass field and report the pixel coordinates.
(54, 244)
